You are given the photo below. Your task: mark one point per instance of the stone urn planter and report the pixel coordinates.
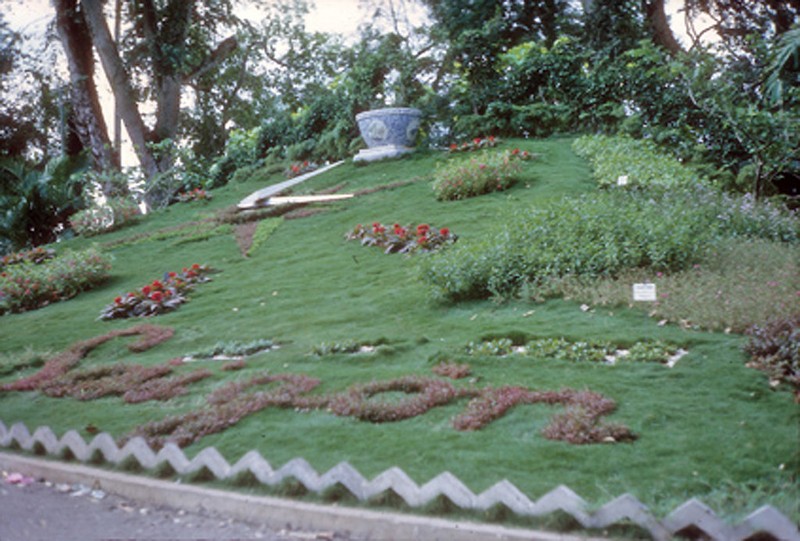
(388, 132)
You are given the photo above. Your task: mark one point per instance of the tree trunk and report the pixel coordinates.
(119, 79)
(658, 24)
(87, 113)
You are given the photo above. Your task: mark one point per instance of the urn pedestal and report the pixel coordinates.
(388, 132)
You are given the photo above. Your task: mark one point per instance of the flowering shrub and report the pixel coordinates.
(300, 168)
(116, 213)
(36, 256)
(27, 286)
(402, 240)
(477, 143)
(478, 175)
(198, 194)
(159, 296)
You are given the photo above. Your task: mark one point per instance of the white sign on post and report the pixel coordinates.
(644, 292)
(622, 180)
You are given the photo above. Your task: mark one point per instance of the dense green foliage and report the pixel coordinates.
(637, 161)
(116, 212)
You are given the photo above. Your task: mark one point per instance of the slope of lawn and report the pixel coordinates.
(710, 427)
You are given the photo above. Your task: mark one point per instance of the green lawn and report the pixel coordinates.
(709, 427)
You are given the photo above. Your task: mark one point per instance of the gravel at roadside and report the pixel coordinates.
(39, 510)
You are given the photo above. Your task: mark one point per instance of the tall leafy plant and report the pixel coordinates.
(35, 204)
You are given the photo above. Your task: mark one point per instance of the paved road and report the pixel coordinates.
(45, 511)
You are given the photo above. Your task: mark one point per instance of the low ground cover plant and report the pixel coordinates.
(234, 349)
(115, 213)
(27, 285)
(399, 239)
(60, 364)
(639, 161)
(774, 348)
(563, 349)
(386, 402)
(602, 235)
(159, 296)
(333, 348)
(474, 176)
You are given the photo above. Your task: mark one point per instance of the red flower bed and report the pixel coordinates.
(159, 296)
(402, 240)
(476, 143)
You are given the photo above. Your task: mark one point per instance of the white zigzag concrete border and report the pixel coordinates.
(693, 513)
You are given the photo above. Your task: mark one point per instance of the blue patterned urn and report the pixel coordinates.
(388, 132)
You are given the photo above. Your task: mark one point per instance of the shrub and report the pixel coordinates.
(402, 240)
(159, 296)
(114, 214)
(775, 350)
(486, 173)
(36, 256)
(599, 235)
(27, 286)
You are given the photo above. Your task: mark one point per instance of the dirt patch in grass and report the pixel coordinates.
(244, 236)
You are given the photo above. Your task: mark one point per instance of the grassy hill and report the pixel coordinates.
(709, 427)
